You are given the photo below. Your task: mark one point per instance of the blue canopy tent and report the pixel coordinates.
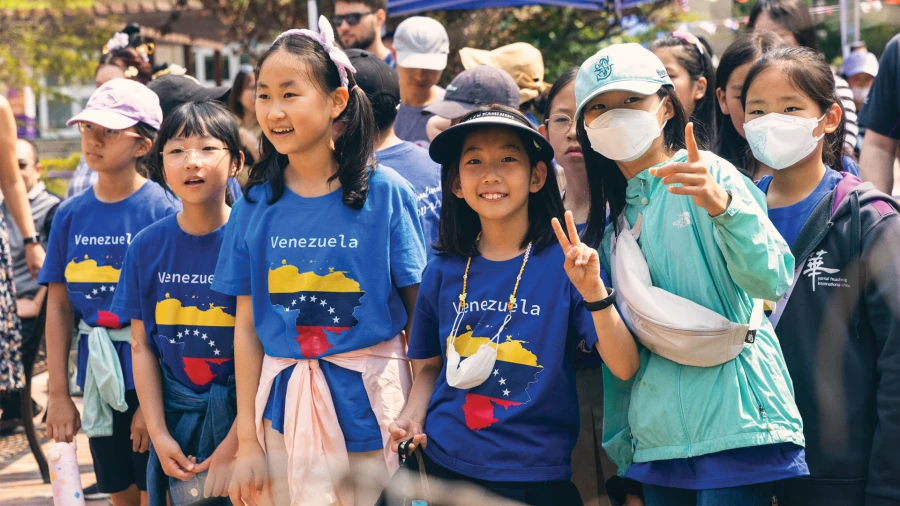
(405, 7)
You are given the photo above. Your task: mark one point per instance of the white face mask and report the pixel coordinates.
(779, 140)
(476, 368)
(624, 134)
(860, 94)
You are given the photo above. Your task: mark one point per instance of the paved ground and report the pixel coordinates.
(20, 479)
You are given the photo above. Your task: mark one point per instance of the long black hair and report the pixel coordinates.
(810, 74)
(696, 60)
(354, 149)
(792, 15)
(205, 119)
(747, 48)
(606, 181)
(564, 80)
(460, 224)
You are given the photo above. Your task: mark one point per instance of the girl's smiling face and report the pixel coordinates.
(204, 168)
(495, 174)
(292, 110)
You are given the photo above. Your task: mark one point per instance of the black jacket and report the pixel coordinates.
(840, 334)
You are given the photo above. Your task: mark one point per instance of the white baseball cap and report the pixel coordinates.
(421, 43)
(860, 63)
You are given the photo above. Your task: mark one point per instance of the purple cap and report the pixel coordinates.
(119, 104)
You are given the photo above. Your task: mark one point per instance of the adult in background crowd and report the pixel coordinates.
(881, 118)
(421, 46)
(125, 55)
(29, 295)
(242, 103)
(791, 20)
(520, 60)
(380, 83)
(359, 24)
(16, 202)
(860, 69)
(482, 85)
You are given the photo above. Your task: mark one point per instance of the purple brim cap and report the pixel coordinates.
(450, 109)
(104, 118)
(119, 104)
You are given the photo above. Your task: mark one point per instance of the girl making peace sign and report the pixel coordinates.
(497, 324)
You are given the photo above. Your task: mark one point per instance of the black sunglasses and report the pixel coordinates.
(352, 19)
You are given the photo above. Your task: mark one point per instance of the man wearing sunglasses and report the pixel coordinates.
(359, 24)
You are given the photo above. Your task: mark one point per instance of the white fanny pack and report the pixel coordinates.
(668, 325)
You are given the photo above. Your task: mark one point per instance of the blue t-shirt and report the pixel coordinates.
(323, 280)
(86, 251)
(522, 422)
(789, 220)
(165, 283)
(414, 164)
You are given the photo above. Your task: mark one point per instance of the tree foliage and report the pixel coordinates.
(52, 39)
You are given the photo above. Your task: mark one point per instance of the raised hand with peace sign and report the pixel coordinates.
(582, 262)
(694, 178)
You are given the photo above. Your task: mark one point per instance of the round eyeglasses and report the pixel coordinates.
(559, 123)
(206, 156)
(105, 134)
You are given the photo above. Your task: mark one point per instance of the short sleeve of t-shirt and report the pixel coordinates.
(53, 270)
(407, 240)
(425, 340)
(127, 301)
(881, 112)
(233, 268)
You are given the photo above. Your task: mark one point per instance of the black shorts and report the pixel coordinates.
(118, 467)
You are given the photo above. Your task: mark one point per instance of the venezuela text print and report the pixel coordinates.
(91, 289)
(507, 386)
(314, 306)
(198, 339)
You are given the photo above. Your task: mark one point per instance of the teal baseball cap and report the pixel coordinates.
(620, 67)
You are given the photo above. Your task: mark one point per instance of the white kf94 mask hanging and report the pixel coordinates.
(779, 140)
(624, 134)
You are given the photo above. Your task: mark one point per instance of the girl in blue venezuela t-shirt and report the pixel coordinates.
(90, 235)
(324, 253)
(497, 322)
(183, 348)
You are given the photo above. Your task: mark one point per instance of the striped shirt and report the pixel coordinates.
(851, 124)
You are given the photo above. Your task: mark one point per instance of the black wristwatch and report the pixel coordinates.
(600, 305)
(35, 239)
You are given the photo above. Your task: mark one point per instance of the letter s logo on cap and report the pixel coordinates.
(103, 101)
(604, 68)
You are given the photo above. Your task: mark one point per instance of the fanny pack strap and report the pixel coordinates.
(756, 318)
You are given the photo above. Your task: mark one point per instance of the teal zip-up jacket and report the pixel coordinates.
(672, 411)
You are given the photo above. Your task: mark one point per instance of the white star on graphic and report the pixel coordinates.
(112, 288)
(505, 393)
(331, 310)
(196, 332)
(294, 302)
(287, 309)
(502, 381)
(212, 343)
(323, 303)
(102, 288)
(179, 335)
(303, 298)
(172, 341)
(216, 352)
(496, 372)
(336, 319)
(95, 291)
(312, 299)
(87, 297)
(204, 337)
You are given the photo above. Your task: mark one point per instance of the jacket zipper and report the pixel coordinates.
(687, 434)
(757, 400)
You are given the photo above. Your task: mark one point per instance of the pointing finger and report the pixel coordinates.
(691, 143)
(573, 231)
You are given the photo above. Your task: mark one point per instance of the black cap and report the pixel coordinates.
(482, 85)
(176, 90)
(448, 143)
(373, 75)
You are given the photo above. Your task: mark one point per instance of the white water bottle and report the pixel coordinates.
(65, 478)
